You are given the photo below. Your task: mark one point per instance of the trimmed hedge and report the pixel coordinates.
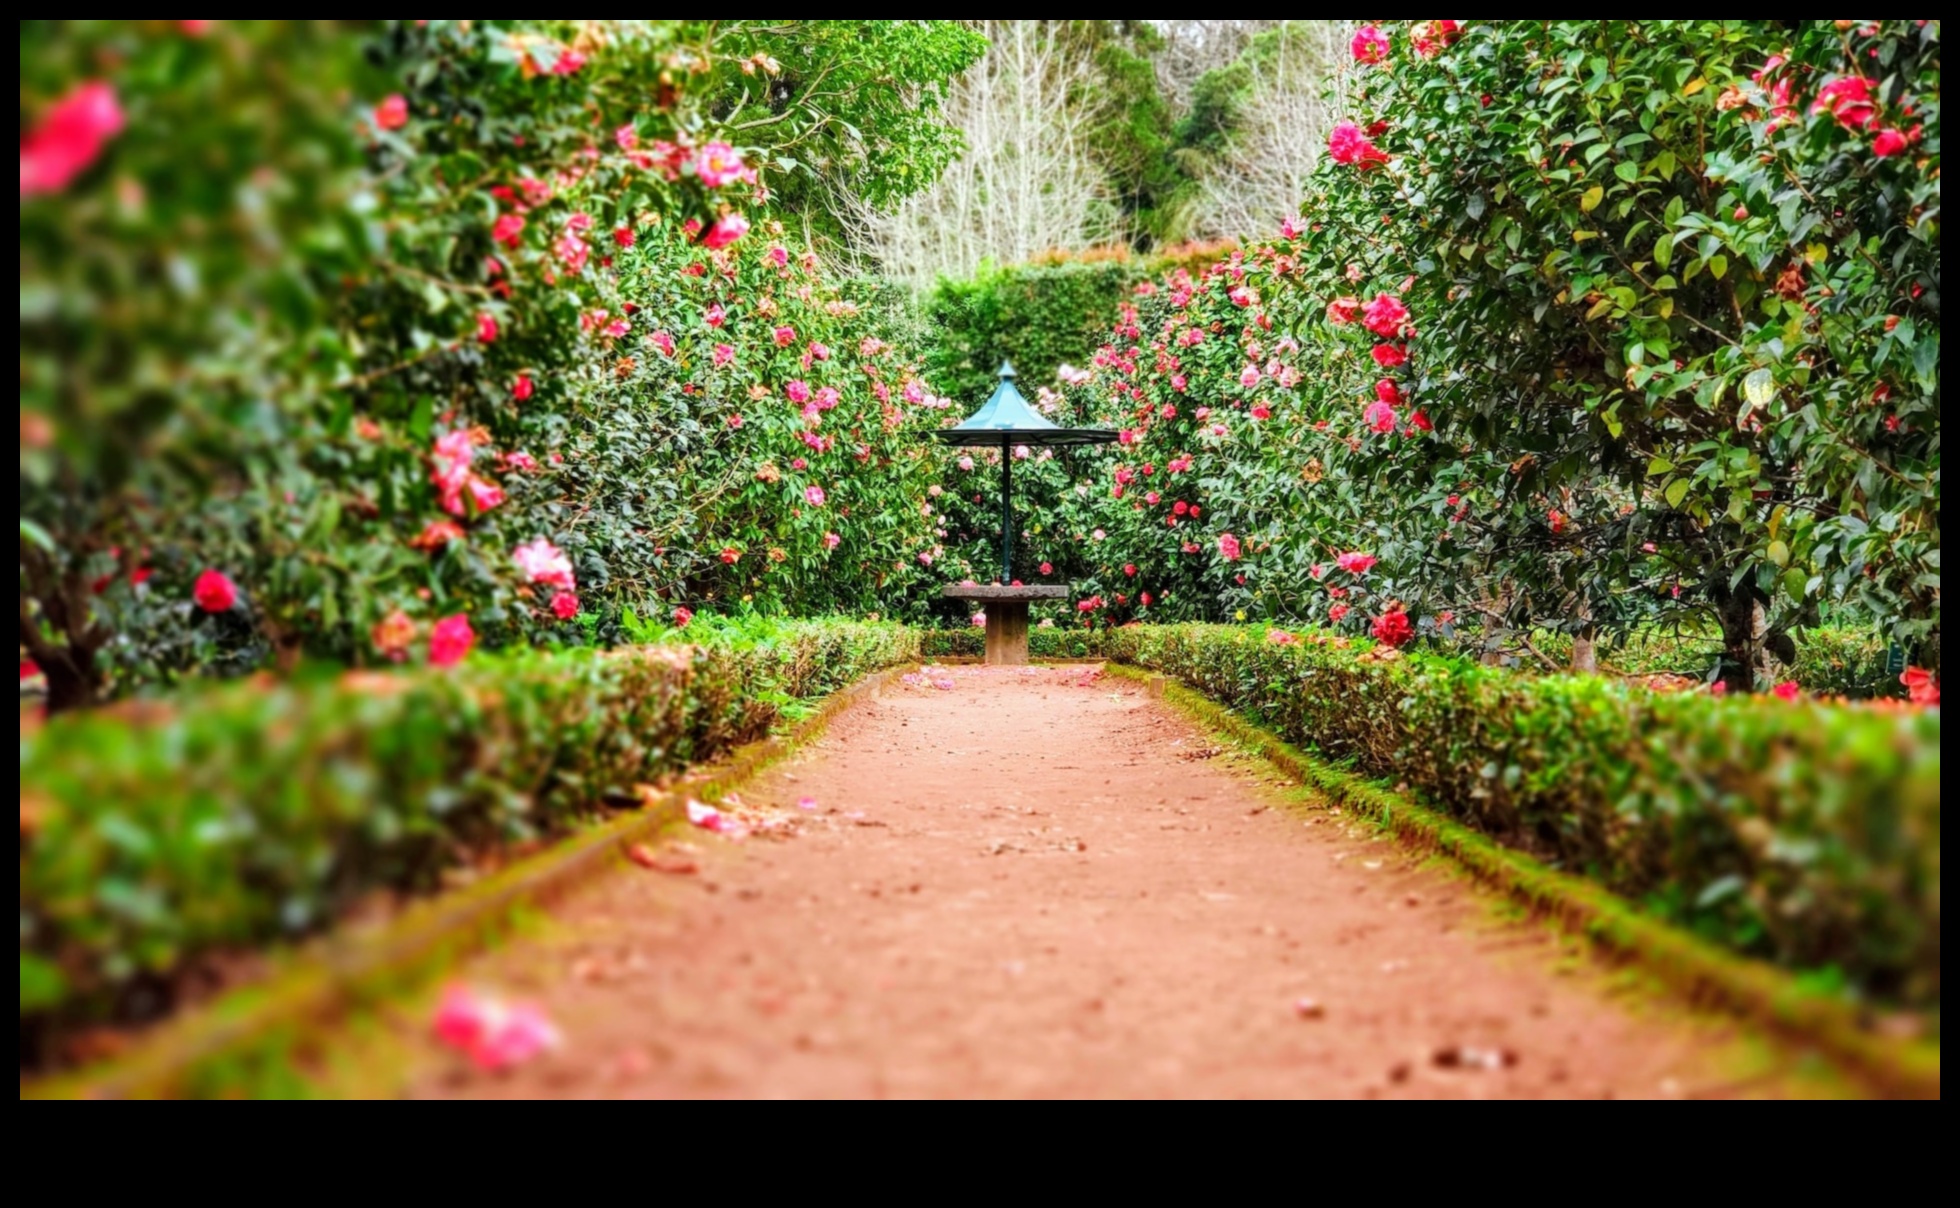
(1042, 643)
(157, 835)
(1039, 316)
(1807, 833)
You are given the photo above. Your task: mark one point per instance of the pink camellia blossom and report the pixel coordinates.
(492, 1035)
(1047, 568)
(1848, 99)
(543, 562)
(1392, 628)
(624, 236)
(1431, 38)
(718, 164)
(730, 555)
(1279, 637)
(1130, 569)
(797, 391)
(626, 138)
(727, 229)
(826, 397)
(579, 223)
(1384, 316)
(1337, 612)
(568, 63)
(723, 354)
(1261, 411)
(507, 230)
(564, 605)
(450, 640)
(832, 541)
(1020, 452)
(486, 328)
(1379, 417)
(682, 616)
(392, 112)
(714, 316)
(814, 496)
(978, 620)
(519, 460)
(1388, 356)
(965, 463)
(215, 592)
(1249, 377)
(1787, 690)
(1355, 562)
(708, 818)
(1347, 144)
(522, 388)
(663, 342)
(1369, 45)
(1228, 547)
(779, 255)
(1097, 534)
(1344, 310)
(1887, 144)
(572, 252)
(785, 336)
(735, 421)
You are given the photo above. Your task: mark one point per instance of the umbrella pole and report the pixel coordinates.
(1006, 514)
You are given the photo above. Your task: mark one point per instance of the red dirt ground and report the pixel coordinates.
(1042, 882)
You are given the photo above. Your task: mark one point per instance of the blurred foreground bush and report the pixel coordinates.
(159, 836)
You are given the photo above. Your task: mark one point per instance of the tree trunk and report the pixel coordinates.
(1748, 658)
(1585, 651)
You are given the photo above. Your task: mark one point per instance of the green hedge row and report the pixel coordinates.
(1042, 643)
(1039, 316)
(1831, 661)
(1803, 832)
(160, 834)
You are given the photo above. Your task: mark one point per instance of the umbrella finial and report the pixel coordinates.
(1007, 371)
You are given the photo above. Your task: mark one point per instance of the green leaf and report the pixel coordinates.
(1658, 466)
(1759, 387)
(1675, 492)
(1778, 553)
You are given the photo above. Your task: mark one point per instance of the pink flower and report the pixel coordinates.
(520, 460)
(450, 640)
(735, 421)
(1369, 45)
(1344, 310)
(730, 555)
(832, 541)
(1848, 99)
(778, 255)
(543, 562)
(508, 229)
(1922, 686)
(1379, 417)
(798, 391)
(1228, 547)
(1393, 628)
(785, 336)
(1348, 145)
(567, 63)
(1431, 37)
(392, 113)
(663, 342)
(1130, 569)
(1385, 316)
(1337, 612)
(1787, 690)
(1261, 411)
(1249, 377)
(572, 252)
(826, 397)
(714, 316)
(1047, 568)
(1020, 452)
(1388, 356)
(979, 620)
(1279, 637)
(718, 164)
(492, 1035)
(626, 137)
(723, 354)
(1887, 144)
(486, 329)
(726, 230)
(814, 496)
(1718, 688)
(521, 388)
(564, 605)
(215, 592)
(682, 616)
(1355, 562)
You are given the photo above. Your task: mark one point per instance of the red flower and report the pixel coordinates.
(564, 605)
(392, 113)
(508, 229)
(214, 592)
(1393, 628)
(1385, 316)
(1348, 145)
(1887, 144)
(1419, 421)
(1848, 99)
(1388, 392)
(70, 136)
(29, 669)
(1355, 562)
(730, 555)
(1047, 568)
(1088, 605)
(1430, 37)
(1369, 45)
(1388, 356)
(1787, 690)
(1557, 520)
(1338, 613)
(1344, 310)
(1228, 547)
(486, 329)
(725, 231)
(451, 639)
(1261, 411)
(1922, 686)
(682, 616)
(522, 387)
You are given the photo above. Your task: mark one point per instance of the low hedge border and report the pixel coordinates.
(1702, 971)
(158, 837)
(1806, 833)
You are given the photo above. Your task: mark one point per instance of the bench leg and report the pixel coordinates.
(1007, 633)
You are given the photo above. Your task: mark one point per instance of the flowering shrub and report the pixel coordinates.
(249, 814)
(1803, 831)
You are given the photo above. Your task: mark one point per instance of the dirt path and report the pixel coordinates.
(1044, 883)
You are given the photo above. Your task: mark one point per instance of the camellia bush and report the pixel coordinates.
(1585, 326)
(308, 309)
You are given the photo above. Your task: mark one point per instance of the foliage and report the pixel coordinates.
(1804, 832)
(1038, 316)
(342, 360)
(155, 839)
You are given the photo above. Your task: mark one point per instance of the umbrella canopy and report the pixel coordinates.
(1007, 419)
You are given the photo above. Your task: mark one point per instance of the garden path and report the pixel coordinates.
(1044, 882)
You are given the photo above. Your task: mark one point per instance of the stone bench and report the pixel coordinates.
(1007, 615)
